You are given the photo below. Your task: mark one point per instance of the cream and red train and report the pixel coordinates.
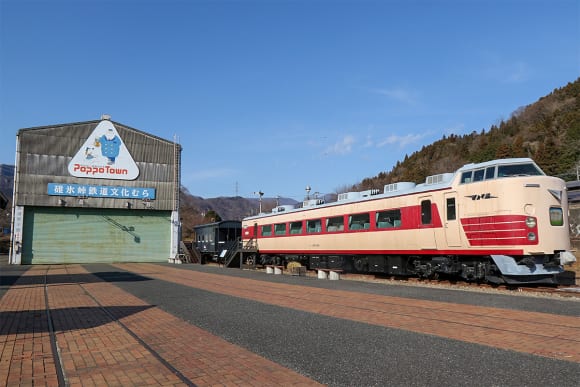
(502, 221)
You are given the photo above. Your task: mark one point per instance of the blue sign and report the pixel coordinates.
(100, 191)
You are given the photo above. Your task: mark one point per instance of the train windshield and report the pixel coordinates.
(528, 169)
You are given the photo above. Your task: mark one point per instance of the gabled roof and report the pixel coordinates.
(95, 122)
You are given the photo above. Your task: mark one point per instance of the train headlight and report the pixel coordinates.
(531, 236)
(531, 222)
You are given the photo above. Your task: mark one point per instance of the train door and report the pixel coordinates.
(426, 238)
(451, 225)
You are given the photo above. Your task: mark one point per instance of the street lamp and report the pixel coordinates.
(260, 194)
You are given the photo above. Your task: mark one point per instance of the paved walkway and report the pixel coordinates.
(535, 333)
(106, 336)
(93, 333)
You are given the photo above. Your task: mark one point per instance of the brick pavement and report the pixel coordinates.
(542, 334)
(90, 318)
(25, 348)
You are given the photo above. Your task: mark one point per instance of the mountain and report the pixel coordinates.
(195, 210)
(548, 131)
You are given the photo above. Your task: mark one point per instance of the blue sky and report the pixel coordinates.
(277, 95)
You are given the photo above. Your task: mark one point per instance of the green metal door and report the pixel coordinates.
(85, 235)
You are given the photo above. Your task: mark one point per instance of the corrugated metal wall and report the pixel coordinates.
(64, 229)
(83, 235)
(46, 152)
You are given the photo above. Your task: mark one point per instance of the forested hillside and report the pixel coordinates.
(548, 131)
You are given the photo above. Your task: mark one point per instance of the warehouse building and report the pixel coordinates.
(95, 191)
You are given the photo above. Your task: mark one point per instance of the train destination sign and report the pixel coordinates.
(100, 191)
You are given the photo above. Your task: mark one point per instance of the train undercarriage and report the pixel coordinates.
(494, 269)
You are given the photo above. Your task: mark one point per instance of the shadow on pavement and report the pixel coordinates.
(10, 278)
(65, 319)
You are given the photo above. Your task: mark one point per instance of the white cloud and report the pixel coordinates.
(369, 142)
(401, 141)
(341, 147)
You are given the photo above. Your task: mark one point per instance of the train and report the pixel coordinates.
(502, 222)
(212, 239)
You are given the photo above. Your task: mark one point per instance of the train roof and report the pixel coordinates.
(432, 183)
(220, 224)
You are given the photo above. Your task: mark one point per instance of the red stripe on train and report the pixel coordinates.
(499, 230)
(397, 252)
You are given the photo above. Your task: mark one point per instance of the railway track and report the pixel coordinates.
(572, 291)
(560, 291)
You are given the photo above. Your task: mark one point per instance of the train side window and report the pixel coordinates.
(478, 175)
(296, 228)
(388, 219)
(267, 230)
(466, 177)
(359, 222)
(489, 173)
(426, 211)
(556, 216)
(335, 224)
(280, 229)
(451, 215)
(313, 226)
